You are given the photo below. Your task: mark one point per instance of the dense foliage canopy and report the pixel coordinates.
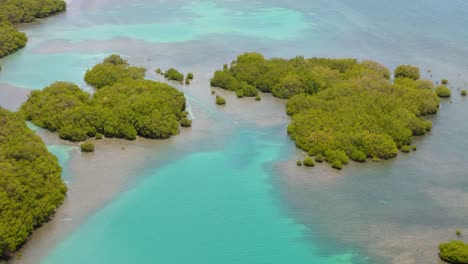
(30, 184)
(22, 11)
(123, 110)
(366, 117)
(455, 252)
(341, 109)
(10, 39)
(113, 69)
(251, 72)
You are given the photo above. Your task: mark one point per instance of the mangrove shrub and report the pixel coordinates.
(308, 162)
(220, 100)
(87, 147)
(173, 75)
(443, 91)
(407, 71)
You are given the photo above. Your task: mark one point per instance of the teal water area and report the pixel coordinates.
(209, 207)
(195, 20)
(229, 205)
(58, 67)
(63, 154)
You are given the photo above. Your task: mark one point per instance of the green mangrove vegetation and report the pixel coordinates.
(308, 162)
(443, 91)
(220, 100)
(10, 39)
(341, 109)
(185, 122)
(14, 12)
(174, 75)
(113, 69)
(125, 109)
(30, 184)
(407, 71)
(455, 252)
(87, 147)
(319, 158)
(406, 149)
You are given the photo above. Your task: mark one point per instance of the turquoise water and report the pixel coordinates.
(201, 19)
(63, 154)
(209, 207)
(60, 67)
(237, 203)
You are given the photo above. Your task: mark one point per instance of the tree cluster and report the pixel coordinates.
(30, 184)
(251, 73)
(22, 11)
(112, 70)
(341, 109)
(126, 109)
(10, 39)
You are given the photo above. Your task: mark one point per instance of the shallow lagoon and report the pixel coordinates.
(225, 182)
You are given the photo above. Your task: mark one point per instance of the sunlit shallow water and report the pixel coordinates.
(209, 207)
(240, 203)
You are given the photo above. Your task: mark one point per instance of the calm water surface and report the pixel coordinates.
(236, 196)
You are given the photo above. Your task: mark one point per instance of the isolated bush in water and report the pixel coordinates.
(443, 91)
(87, 147)
(308, 162)
(174, 75)
(220, 100)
